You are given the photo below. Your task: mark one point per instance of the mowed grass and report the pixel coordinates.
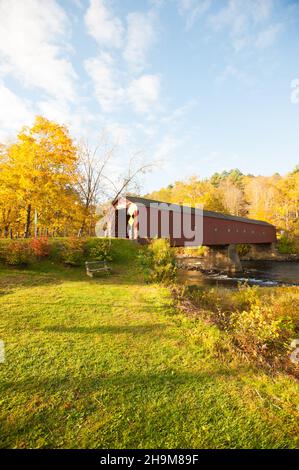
(110, 363)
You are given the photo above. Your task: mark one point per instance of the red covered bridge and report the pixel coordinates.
(217, 228)
(143, 219)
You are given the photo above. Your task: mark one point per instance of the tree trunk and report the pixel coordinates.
(6, 230)
(28, 221)
(85, 217)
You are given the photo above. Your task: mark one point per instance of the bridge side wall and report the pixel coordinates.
(216, 231)
(224, 232)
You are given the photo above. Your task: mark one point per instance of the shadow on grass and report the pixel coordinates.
(48, 273)
(107, 329)
(125, 391)
(83, 384)
(99, 307)
(5, 292)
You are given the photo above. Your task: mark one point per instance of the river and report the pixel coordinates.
(262, 273)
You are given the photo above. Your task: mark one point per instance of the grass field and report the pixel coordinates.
(109, 362)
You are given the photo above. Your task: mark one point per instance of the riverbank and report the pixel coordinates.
(260, 324)
(255, 272)
(187, 261)
(276, 256)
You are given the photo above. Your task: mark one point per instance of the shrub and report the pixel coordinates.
(260, 332)
(246, 297)
(56, 249)
(18, 253)
(287, 304)
(3, 248)
(99, 249)
(191, 251)
(124, 251)
(216, 303)
(261, 322)
(158, 261)
(72, 251)
(40, 247)
(201, 251)
(243, 249)
(285, 245)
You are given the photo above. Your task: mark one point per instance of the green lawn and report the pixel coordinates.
(109, 363)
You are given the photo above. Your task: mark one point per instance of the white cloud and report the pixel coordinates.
(178, 113)
(78, 119)
(14, 112)
(103, 25)
(29, 47)
(193, 9)
(140, 36)
(114, 86)
(106, 81)
(241, 17)
(111, 91)
(144, 93)
(261, 9)
(268, 36)
(166, 148)
(148, 130)
(295, 91)
(233, 72)
(54, 110)
(120, 134)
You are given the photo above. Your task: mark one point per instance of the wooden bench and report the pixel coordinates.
(93, 267)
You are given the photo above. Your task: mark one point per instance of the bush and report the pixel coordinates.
(57, 247)
(261, 322)
(18, 253)
(285, 245)
(40, 247)
(158, 261)
(99, 249)
(216, 303)
(72, 251)
(191, 251)
(246, 297)
(260, 332)
(243, 249)
(3, 248)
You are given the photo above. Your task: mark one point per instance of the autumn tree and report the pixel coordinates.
(38, 175)
(232, 197)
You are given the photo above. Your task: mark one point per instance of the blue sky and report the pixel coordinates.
(196, 86)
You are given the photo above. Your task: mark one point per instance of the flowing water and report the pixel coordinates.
(263, 273)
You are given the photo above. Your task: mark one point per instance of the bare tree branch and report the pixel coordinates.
(97, 181)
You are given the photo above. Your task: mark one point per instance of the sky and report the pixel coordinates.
(194, 86)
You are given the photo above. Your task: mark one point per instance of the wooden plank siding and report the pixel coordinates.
(218, 229)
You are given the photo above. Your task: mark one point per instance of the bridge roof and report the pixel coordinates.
(217, 215)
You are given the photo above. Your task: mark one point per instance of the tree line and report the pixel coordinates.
(274, 199)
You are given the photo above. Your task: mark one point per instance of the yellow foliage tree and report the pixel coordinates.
(38, 173)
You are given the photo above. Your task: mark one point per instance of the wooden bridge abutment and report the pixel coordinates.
(226, 257)
(262, 251)
(222, 257)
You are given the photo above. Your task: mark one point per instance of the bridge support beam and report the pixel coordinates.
(223, 257)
